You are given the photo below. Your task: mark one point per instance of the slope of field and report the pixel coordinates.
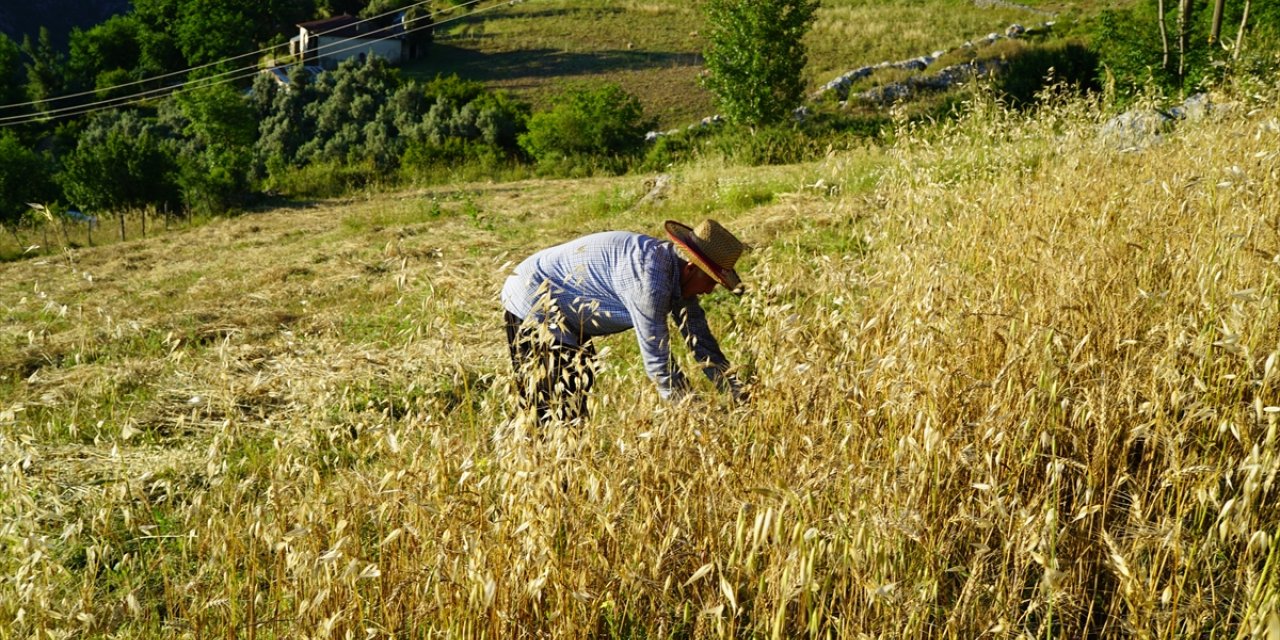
(1010, 377)
(654, 48)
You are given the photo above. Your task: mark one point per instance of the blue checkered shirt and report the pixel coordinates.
(609, 282)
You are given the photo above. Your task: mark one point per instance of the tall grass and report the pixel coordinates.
(1009, 380)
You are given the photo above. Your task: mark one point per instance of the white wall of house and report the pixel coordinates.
(334, 50)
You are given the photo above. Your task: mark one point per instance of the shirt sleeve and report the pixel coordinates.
(692, 322)
(649, 315)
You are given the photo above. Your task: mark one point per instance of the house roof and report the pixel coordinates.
(343, 26)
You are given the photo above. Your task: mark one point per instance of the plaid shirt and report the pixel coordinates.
(609, 282)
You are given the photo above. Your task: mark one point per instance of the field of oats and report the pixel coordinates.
(1012, 378)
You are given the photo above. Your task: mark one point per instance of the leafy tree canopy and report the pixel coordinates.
(45, 70)
(11, 74)
(105, 54)
(598, 122)
(121, 162)
(25, 176)
(755, 56)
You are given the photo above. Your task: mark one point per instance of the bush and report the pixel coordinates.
(121, 162)
(215, 179)
(1026, 75)
(463, 123)
(599, 128)
(673, 149)
(25, 176)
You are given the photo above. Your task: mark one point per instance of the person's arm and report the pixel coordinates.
(692, 322)
(649, 307)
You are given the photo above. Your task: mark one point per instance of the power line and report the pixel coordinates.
(233, 75)
(203, 66)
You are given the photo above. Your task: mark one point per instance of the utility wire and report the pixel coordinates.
(203, 66)
(233, 75)
(230, 76)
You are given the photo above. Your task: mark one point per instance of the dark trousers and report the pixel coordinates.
(552, 377)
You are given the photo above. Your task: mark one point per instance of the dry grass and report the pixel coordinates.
(1010, 381)
(654, 49)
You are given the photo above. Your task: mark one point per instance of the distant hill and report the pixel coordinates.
(18, 19)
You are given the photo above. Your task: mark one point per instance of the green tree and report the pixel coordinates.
(25, 176)
(105, 55)
(208, 31)
(285, 126)
(45, 70)
(338, 7)
(219, 127)
(604, 124)
(159, 46)
(452, 119)
(755, 56)
(121, 163)
(1134, 51)
(345, 100)
(11, 75)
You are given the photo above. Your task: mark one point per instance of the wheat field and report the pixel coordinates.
(1011, 379)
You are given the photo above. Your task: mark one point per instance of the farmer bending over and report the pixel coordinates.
(560, 298)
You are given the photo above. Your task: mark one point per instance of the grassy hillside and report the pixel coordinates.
(1011, 378)
(654, 47)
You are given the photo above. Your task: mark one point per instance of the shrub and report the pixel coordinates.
(601, 128)
(1028, 71)
(121, 162)
(25, 176)
(463, 122)
(670, 150)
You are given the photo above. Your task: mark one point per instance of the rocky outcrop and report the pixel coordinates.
(1142, 127)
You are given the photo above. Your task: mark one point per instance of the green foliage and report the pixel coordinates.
(11, 75)
(339, 7)
(325, 179)
(755, 56)
(283, 128)
(362, 113)
(670, 150)
(121, 162)
(1128, 44)
(25, 176)
(462, 121)
(777, 144)
(219, 125)
(1030, 69)
(603, 126)
(105, 55)
(156, 38)
(211, 30)
(814, 137)
(345, 99)
(213, 179)
(45, 69)
(1130, 49)
(217, 115)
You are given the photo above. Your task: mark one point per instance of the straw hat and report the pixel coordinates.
(712, 248)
